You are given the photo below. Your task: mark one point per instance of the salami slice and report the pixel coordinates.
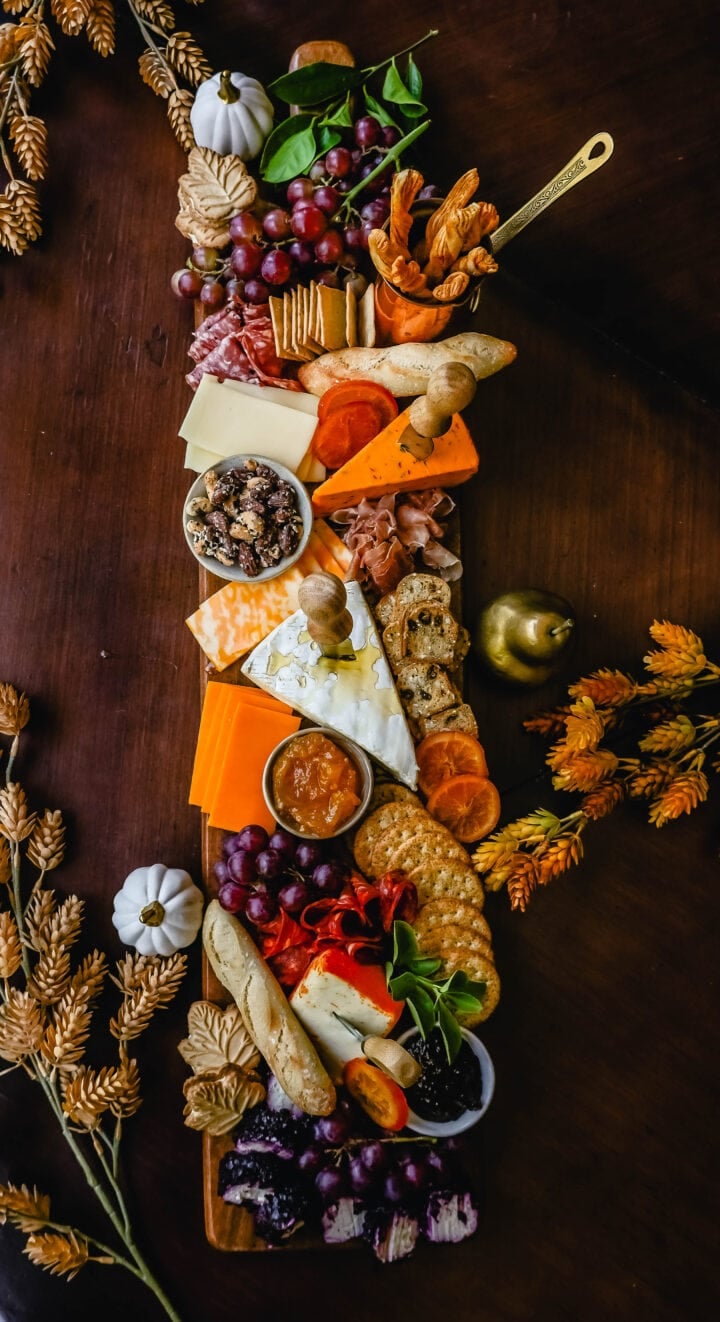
(227, 360)
(213, 331)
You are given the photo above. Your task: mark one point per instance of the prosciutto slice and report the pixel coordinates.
(395, 534)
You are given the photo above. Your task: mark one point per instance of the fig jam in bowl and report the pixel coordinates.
(317, 783)
(471, 1074)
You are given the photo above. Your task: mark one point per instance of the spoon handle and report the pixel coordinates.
(583, 163)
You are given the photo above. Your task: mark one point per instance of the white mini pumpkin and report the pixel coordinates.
(232, 114)
(158, 910)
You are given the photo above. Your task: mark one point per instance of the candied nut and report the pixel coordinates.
(224, 558)
(269, 554)
(247, 560)
(232, 506)
(211, 481)
(217, 519)
(198, 505)
(195, 526)
(283, 498)
(249, 503)
(289, 538)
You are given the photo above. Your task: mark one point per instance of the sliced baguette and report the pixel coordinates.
(274, 1028)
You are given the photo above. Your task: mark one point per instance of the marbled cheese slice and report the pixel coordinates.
(357, 698)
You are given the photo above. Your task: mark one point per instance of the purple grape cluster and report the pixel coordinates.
(304, 236)
(259, 875)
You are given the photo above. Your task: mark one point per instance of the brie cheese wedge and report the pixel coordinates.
(357, 698)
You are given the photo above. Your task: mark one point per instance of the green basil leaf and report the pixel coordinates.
(381, 113)
(404, 944)
(422, 1011)
(413, 78)
(315, 83)
(424, 968)
(326, 138)
(450, 1029)
(464, 1003)
(340, 115)
(402, 987)
(395, 91)
(290, 150)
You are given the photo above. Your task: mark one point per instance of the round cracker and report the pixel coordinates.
(375, 825)
(443, 941)
(447, 914)
(479, 969)
(435, 847)
(389, 792)
(398, 840)
(443, 879)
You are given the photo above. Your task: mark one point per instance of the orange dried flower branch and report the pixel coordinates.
(532, 851)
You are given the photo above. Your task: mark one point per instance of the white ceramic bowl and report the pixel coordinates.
(234, 573)
(448, 1128)
(358, 756)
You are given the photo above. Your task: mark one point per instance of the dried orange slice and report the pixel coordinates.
(448, 753)
(468, 805)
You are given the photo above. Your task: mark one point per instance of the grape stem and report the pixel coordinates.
(391, 155)
(373, 68)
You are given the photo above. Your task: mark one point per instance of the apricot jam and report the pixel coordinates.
(315, 785)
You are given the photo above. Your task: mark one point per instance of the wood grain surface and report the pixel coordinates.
(598, 480)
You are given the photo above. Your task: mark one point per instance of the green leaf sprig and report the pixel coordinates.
(434, 1002)
(323, 92)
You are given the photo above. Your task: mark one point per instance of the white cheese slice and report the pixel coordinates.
(224, 422)
(200, 460)
(323, 992)
(311, 470)
(357, 698)
(288, 399)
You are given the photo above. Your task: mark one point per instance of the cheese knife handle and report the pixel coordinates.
(324, 600)
(393, 1059)
(451, 388)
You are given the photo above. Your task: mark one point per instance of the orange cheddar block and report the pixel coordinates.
(238, 797)
(383, 467)
(242, 698)
(333, 544)
(238, 616)
(217, 697)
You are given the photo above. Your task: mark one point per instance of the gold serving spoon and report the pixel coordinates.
(593, 153)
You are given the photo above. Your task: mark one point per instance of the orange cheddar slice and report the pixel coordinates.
(333, 543)
(249, 741)
(238, 616)
(383, 467)
(217, 696)
(240, 698)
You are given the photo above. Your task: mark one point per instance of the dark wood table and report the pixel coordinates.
(598, 480)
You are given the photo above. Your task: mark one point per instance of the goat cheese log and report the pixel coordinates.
(272, 1025)
(405, 369)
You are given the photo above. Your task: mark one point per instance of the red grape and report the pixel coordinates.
(361, 1179)
(269, 864)
(277, 224)
(252, 838)
(212, 294)
(391, 135)
(186, 284)
(374, 1156)
(310, 1161)
(308, 223)
(329, 247)
(367, 131)
(330, 1184)
(260, 907)
(329, 878)
(394, 1187)
(317, 172)
(338, 162)
(357, 283)
(234, 898)
(356, 157)
(245, 226)
(241, 867)
(329, 278)
(343, 185)
(308, 855)
(416, 1174)
(246, 257)
(334, 1128)
(284, 844)
(205, 259)
(235, 290)
(294, 896)
(327, 199)
(276, 267)
(302, 253)
(376, 212)
(220, 872)
(256, 292)
(298, 189)
(352, 237)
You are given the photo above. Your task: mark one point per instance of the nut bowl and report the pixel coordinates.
(357, 756)
(234, 573)
(448, 1128)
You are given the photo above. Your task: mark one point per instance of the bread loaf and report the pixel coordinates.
(272, 1025)
(404, 369)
